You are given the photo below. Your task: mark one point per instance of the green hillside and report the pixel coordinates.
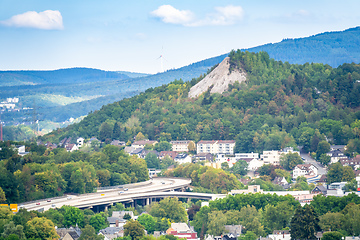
(71, 93)
(280, 105)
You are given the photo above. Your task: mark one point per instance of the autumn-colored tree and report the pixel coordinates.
(40, 227)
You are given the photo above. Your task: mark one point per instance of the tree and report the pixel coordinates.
(200, 221)
(10, 228)
(98, 222)
(240, 167)
(152, 161)
(139, 137)
(249, 235)
(323, 148)
(2, 196)
(105, 131)
(192, 146)
(333, 235)
(217, 221)
(290, 160)
(170, 208)
(148, 221)
(88, 233)
(163, 146)
(277, 217)
(304, 223)
(134, 229)
(166, 162)
(72, 216)
(351, 219)
(127, 216)
(324, 159)
(331, 221)
(40, 227)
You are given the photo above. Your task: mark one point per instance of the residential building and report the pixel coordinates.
(182, 158)
(182, 230)
(80, 142)
(71, 147)
(171, 154)
(111, 233)
(203, 157)
(70, 233)
(253, 163)
(280, 235)
(246, 155)
(116, 221)
(271, 157)
(142, 143)
(181, 145)
(117, 143)
(289, 150)
(221, 158)
(153, 172)
(320, 189)
(207, 147)
(226, 146)
(305, 170)
(146, 152)
(216, 146)
(121, 214)
(353, 162)
(336, 155)
(235, 230)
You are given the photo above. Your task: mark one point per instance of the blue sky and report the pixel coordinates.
(131, 35)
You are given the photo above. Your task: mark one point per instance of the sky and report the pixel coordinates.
(150, 36)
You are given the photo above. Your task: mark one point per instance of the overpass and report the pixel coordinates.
(145, 192)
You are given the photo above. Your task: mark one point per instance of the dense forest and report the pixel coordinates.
(280, 105)
(48, 173)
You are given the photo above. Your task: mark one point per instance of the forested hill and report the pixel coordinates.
(279, 105)
(333, 48)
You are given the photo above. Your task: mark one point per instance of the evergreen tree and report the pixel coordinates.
(304, 224)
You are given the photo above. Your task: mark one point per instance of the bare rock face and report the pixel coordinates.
(219, 78)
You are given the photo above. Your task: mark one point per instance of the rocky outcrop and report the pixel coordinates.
(219, 79)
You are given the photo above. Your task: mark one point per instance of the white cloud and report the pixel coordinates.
(227, 15)
(47, 20)
(169, 14)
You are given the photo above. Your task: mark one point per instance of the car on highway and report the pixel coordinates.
(125, 189)
(53, 205)
(38, 203)
(68, 198)
(121, 192)
(49, 200)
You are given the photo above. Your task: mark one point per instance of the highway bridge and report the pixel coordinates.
(143, 193)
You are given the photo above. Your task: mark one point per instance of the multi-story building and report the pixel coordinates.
(181, 145)
(216, 146)
(271, 157)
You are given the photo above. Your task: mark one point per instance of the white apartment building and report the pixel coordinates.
(180, 146)
(216, 146)
(271, 157)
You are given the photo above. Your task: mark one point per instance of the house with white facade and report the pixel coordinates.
(336, 155)
(142, 143)
(80, 142)
(252, 159)
(305, 170)
(181, 145)
(271, 157)
(182, 158)
(216, 146)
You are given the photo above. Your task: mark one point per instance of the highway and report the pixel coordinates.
(155, 188)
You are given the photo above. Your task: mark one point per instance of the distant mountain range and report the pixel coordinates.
(60, 94)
